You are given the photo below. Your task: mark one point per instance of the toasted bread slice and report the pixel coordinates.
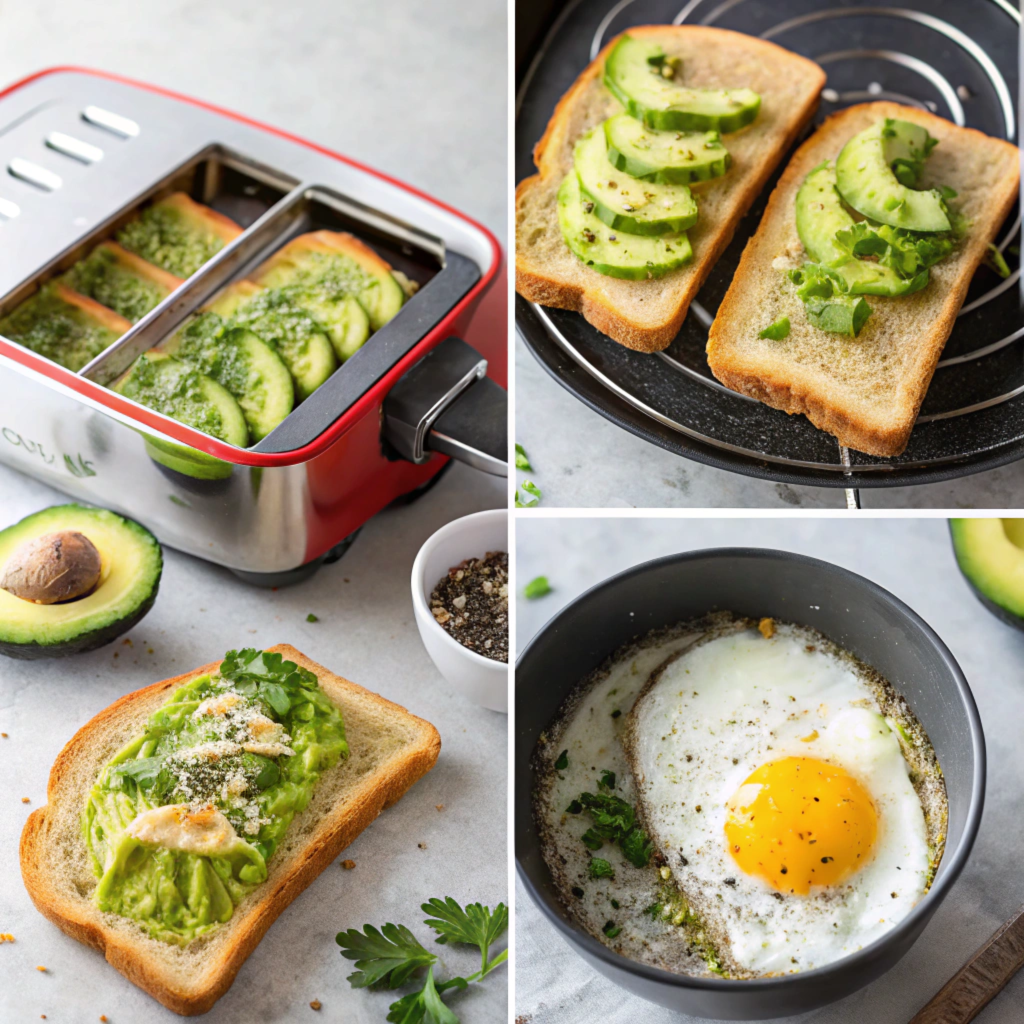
(106, 318)
(865, 390)
(389, 750)
(646, 315)
(202, 216)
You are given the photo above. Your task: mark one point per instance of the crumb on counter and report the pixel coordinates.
(766, 627)
(422, 846)
(43, 969)
(440, 807)
(25, 800)
(315, 1005)
(348, 865)
(6, 937)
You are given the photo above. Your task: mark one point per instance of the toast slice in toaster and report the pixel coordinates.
(178, 234)
(121, 281)
(324, 271)
(388, 751)
(866, 389)
(62, 325)
(288, 329)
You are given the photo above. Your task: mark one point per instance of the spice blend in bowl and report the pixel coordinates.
(470, 603)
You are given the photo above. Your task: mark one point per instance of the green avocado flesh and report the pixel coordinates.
(165, 236)
(990, 553)
(323, 283)
(647, 84)
(671, 158)
(611, 252)
(241, 363)
(823, 224)
(623, 202)
(876, 173)
(56, 329)
(130, 576)
(289, 330)
(247, 744)
(173, 388)
(102, 277)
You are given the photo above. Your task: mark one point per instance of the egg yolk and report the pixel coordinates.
(798, 822)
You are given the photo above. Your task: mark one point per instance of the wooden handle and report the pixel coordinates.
(981, 979)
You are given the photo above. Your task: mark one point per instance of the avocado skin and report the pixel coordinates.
(961, 542)
(86, 642)
(90, 639)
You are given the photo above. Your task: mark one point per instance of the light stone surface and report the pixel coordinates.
(914, 560)
(418, 91)
(582, 460)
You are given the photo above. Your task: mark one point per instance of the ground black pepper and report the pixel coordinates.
(471, 604)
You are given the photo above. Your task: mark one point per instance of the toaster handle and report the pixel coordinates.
(447, 404)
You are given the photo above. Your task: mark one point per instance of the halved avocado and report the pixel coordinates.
(990, 554)
(130, 564)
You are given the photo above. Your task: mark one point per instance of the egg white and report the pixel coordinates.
(714, 714)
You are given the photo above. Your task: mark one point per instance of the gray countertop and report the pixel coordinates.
(913, 559)
(418, 91)
(582, 460)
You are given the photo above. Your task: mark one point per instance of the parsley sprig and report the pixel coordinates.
(390, 956)
(267, 676)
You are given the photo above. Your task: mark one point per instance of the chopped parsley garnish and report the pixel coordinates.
(607, 780)
(614, 821)
(312, 618)
(389, 957)
(776, 331)
(537, 588)
(574, 808)
(522, 459)
(563, 761)
(995, 261)
(577, 892)
(600, 868)
(530, 488)
(611, 929)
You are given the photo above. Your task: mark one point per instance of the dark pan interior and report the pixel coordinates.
(957, 58)
(851, 611)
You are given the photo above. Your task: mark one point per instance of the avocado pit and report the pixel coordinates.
(53, 568)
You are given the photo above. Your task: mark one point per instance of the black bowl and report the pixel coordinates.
(848, 609)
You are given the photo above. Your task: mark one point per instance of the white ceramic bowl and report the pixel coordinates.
(482, 680)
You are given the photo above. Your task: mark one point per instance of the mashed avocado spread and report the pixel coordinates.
(181, 823)
(164, 236)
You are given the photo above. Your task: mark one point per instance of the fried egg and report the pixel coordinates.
(780, 797)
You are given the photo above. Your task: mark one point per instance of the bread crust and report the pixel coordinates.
(101, 314)
(80, 919)
(217, 223)
(798, 391)
(547, 287)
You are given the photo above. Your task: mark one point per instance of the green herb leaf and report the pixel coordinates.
(312, 618)
(600, 868)
(995, 261)
(425, 1005)
(574, 807)
(476, 925)
(537, 587)
(592, 839)
(387, 957)
(611, 929)
(522, 459)
(776, 331)
(607, 780)
(530, 488)
(563, 761)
